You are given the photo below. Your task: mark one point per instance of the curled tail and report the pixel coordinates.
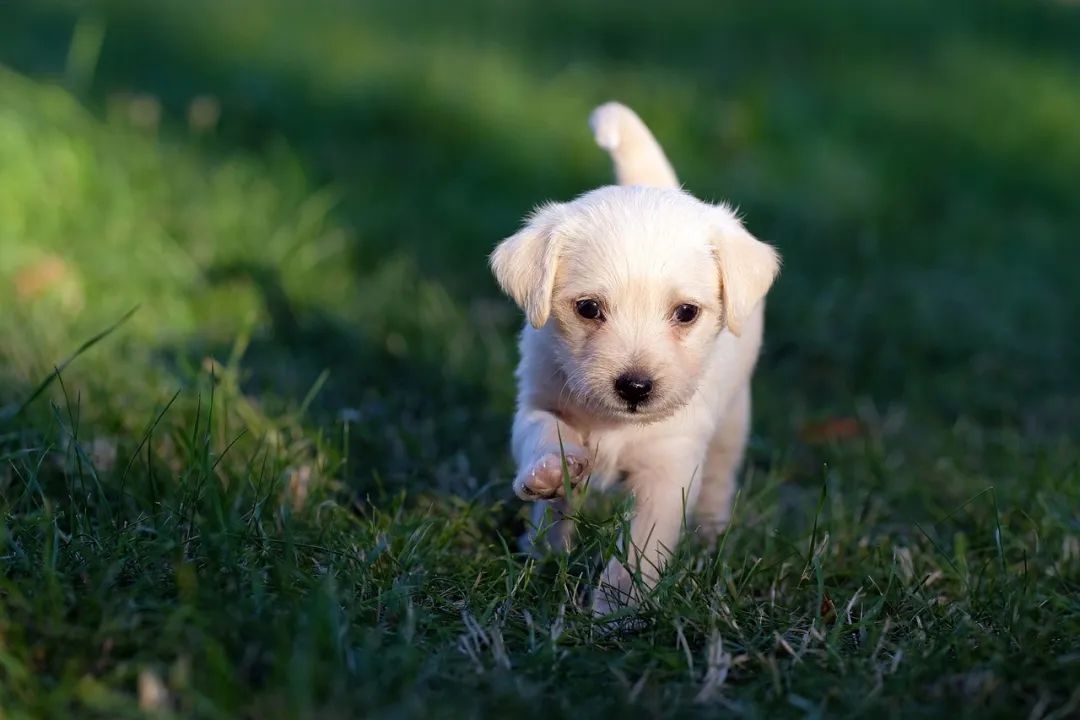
(638, 158)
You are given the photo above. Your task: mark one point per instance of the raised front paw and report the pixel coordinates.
(543, 478)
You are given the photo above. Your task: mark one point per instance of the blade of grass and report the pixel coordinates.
(145, 438)
(9, 413)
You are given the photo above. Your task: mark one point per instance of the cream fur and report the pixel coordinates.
(639, 250)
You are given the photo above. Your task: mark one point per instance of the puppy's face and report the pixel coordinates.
(633, 285)
(635, 309)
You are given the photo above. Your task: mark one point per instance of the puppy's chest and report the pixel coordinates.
(607, 449)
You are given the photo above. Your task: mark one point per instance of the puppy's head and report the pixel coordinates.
(633, 285)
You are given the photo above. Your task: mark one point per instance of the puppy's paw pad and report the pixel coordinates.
(544, 478)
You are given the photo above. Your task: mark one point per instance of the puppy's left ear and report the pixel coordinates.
(525, 263)
(747, 269)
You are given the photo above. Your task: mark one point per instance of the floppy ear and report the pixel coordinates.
(525, 263)
(747, 270)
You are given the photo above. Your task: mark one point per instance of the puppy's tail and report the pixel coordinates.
(637, 156)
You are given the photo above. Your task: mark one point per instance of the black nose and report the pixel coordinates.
(634, 388)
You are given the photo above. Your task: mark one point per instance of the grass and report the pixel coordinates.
(281, 487)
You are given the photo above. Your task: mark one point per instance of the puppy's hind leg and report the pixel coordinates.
(550, 528)
(722, 462)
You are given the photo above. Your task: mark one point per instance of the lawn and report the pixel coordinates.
(280, 487)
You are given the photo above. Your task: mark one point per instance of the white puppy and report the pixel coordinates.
(645, 314)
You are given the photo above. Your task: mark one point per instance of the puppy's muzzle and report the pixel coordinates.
(634, 387)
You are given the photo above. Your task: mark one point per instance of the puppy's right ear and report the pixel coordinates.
(525, 263)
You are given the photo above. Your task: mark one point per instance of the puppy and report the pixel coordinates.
(645, 316)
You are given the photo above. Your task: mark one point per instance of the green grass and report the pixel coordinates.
(281, 487)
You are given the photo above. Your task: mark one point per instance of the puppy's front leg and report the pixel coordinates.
(541, 443)
(665, 485)
(722, 462)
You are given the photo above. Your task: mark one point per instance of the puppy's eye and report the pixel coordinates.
(589, 309)
(686, 314)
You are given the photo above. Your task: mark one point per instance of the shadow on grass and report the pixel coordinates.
(411, 422)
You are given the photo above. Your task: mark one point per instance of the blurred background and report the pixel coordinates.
(305, 187)
(299, 198)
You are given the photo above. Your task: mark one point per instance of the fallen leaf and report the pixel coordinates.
(831, 430)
